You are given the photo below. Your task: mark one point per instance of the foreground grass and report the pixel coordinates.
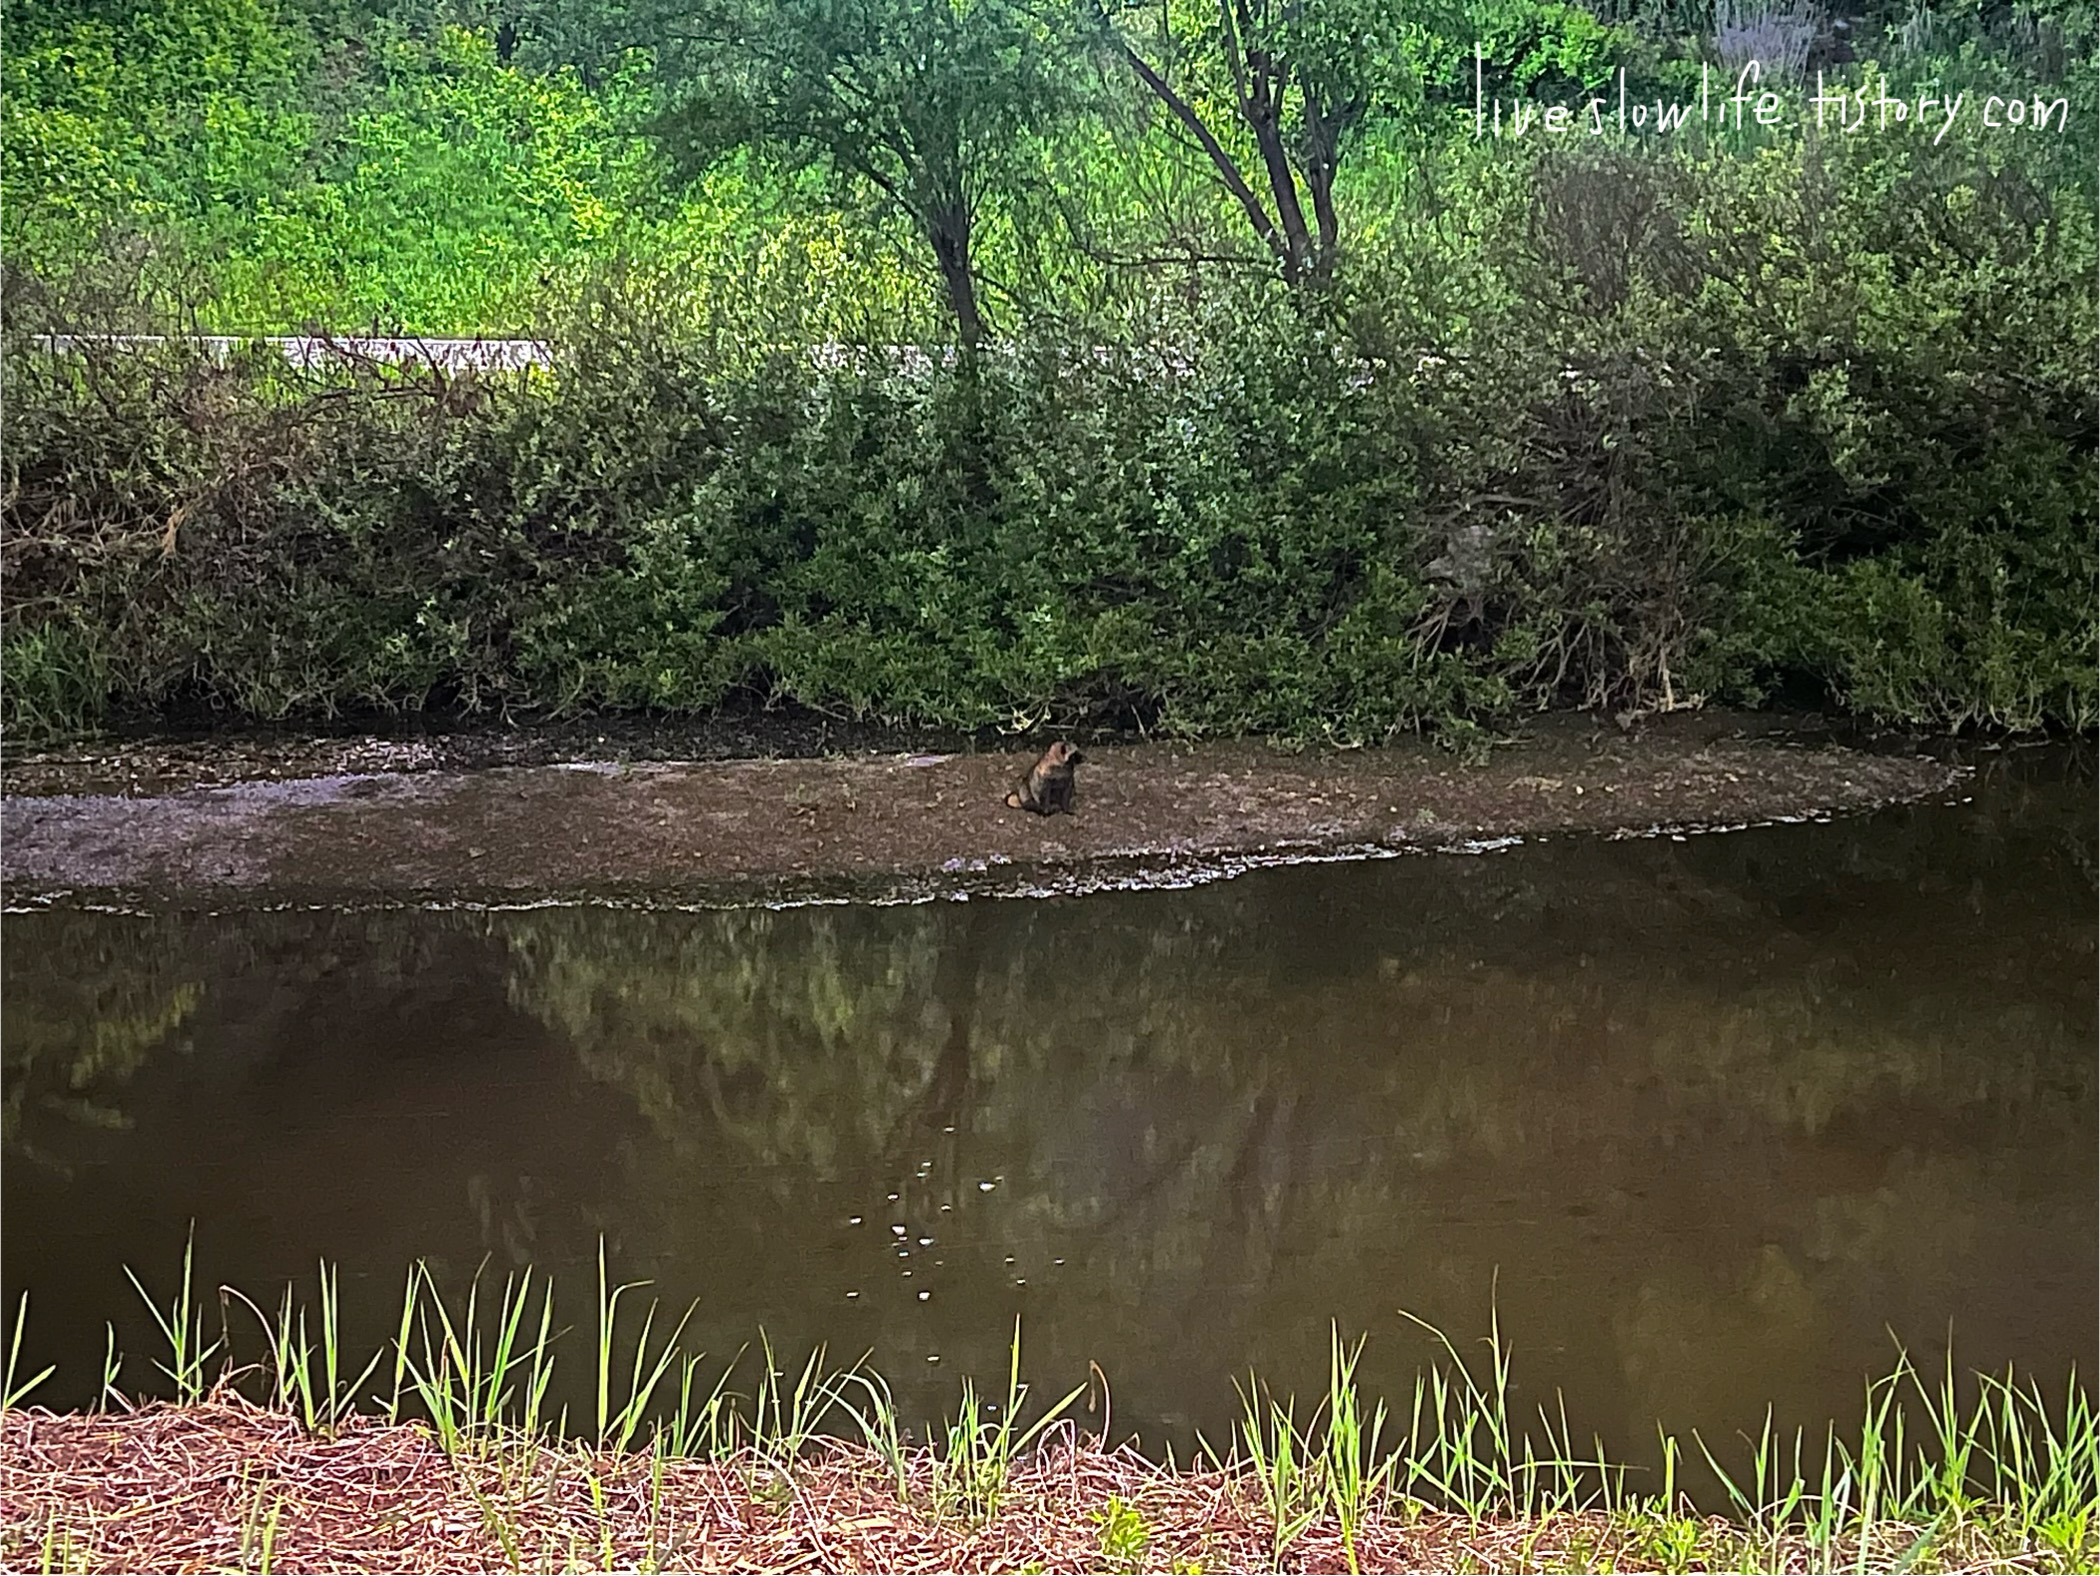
(438, 1453)
(225, 1485)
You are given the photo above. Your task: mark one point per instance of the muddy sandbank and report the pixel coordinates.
(889, 825)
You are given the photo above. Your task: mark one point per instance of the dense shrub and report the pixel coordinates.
(1580, 422)
(1773, 439)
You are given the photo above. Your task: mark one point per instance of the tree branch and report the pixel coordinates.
(1228, 171)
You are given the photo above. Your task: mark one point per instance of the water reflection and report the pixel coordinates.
(85, 1007)
(1709, 1118)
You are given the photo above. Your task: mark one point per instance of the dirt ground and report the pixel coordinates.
(223, 1485)
(390, 820)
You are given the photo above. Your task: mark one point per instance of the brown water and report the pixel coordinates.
(1708, 1120)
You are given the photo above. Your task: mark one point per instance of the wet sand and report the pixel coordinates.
(337, 820)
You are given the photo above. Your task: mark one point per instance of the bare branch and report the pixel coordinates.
(1228, 170)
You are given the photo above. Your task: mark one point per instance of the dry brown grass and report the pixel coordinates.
(226, 1485)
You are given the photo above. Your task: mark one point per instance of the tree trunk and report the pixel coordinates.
(1319, 180)
(1323, 124)
(950, 233)
(1261, 107)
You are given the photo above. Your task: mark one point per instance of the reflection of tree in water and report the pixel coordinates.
(1809, 1052)
(1729, 1094)
(820, 1040)
(1103, 1072)
(88, 1000)
(799, 1051)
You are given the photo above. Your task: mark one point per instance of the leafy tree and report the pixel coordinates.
(926, 103)
(1272, 93)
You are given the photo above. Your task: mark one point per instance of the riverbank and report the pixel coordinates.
(448, 1449)
(223, 1484)
(378, 820)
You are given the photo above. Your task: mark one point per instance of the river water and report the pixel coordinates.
(1708, 1124)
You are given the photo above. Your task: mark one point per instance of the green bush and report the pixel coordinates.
(1583, 424)
(1288, 527)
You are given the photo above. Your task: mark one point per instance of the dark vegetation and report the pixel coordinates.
(1184, 371)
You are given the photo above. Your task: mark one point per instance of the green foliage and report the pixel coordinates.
(1274, 97)
(1291, 527)
(412, 180)
(924, 105)
(1545, 49)
(452, 187)
(1125, 1538)
(1592, 423)
(55, 682)
(158, 113)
